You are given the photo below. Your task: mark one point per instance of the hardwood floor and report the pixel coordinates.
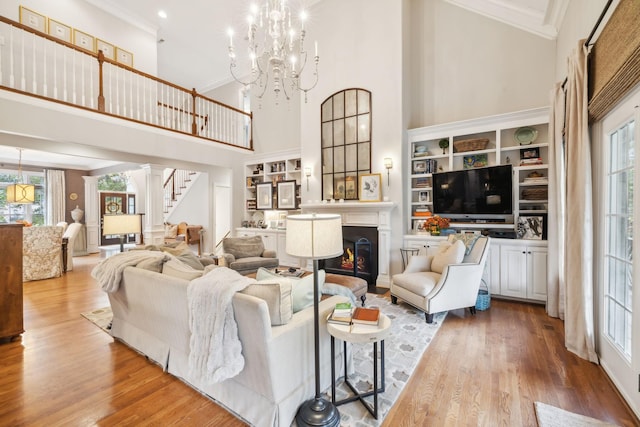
(485, 370)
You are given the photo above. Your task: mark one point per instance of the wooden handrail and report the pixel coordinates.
(101, 100)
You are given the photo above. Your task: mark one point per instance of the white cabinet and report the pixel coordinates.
(427, 245)
(523, 270)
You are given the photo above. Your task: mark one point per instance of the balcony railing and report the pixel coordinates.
(37, 64)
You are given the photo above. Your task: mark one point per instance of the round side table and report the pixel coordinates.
(360, 334)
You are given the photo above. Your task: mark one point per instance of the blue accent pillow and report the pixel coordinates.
(469, 239)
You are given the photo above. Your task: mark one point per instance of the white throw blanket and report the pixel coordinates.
(216, 351)
(109, 272)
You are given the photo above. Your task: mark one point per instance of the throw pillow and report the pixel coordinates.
(301, 288)
(277, 294)
(469, 239)
(170, 231)
(191, 260)
(448, 254)
(153, 264)
(243, 247)
(176, 268)
(175, 249)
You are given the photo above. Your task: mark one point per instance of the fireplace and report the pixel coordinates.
(360, 255)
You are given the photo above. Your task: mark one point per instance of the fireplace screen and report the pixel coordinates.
(359, 257)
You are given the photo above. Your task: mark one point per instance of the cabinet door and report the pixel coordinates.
(493, 261)
(284, 258)
(513, 271)
(426, 246)
(270, 241)
(537, 273)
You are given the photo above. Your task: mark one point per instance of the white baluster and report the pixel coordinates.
(55, 71)
(116, 71)
(34, 84)
(45, 87)
(73, 79)
(131, 97)
(64, 74)
(12, 79)
(23, 72)
(144, 100)
(173, 108)
(83, 60)
(110, 87)
(91, 93)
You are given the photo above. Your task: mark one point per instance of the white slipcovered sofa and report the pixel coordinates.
(150, 314)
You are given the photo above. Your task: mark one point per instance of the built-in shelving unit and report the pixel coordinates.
(494, 140)
(274, 170)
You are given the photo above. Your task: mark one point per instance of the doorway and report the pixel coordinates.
(113, 203)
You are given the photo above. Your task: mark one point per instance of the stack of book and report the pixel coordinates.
(422, 212)
(531, 161)
(341, 314)
(365, 317)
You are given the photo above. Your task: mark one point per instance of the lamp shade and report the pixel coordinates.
(21, 193)
(314, 236)
(120, 224)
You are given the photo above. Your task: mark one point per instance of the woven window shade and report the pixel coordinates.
(615, 59)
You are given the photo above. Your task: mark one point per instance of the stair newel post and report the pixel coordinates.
(194, 126)
(100, 81)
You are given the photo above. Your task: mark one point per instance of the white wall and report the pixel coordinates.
(96, 22)
(465, 65)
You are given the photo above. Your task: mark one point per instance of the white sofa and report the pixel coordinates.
(150, 314)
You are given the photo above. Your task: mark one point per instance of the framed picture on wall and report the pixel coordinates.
(370, 187)
(264, 195)
(107, 49)
(33, 19)
(59, 30)
(84, 40)
(287, 194)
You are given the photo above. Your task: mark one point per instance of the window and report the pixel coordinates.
(346, 143)
(619, 239)
(34, 213)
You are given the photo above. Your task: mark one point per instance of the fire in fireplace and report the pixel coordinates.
(360, 256)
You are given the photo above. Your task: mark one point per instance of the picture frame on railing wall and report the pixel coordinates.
(59, 30)
(124, 57)
(84, 41)
(33, 19)
(108, 50)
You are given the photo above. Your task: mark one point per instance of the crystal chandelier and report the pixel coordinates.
(276, 50)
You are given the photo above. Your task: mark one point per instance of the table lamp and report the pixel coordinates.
(121, 225)
(315, 236)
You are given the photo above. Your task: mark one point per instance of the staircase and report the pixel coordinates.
(175, 186)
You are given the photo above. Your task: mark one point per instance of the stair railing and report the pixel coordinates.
(36, 64)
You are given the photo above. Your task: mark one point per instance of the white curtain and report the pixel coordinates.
(55, 196)
(556, 240)
(579, 316)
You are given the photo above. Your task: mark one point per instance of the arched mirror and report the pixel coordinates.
(346, 143)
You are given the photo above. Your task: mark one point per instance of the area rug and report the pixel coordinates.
(550, 416)
(101, 318)
(410, 335)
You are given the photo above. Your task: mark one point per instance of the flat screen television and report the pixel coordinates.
(474, 195)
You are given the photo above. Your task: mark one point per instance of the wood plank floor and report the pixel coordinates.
(485, 370)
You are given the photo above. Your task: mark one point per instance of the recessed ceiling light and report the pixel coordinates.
(162, 14)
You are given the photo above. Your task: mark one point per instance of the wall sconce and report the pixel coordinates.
(307, 174)
(388, 163)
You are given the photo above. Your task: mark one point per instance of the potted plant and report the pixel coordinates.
(436, 223)
(444, 143)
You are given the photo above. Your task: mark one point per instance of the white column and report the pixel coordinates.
(153, 214)
(92, 213)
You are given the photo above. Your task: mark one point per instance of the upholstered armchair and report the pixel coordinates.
(448, 280)
(41, 252)
(71, 233)
(247, 254)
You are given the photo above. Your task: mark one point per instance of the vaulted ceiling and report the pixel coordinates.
(192, 42)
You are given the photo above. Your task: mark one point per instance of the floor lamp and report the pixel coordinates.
(121, 225)
(315, 236)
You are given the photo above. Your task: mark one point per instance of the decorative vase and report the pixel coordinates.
(435, 230)
(77, 214)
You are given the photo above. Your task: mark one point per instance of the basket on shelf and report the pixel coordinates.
(535, 194)
(483, 302)
(470, 144)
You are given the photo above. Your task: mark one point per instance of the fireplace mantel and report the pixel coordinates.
(364, 214)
